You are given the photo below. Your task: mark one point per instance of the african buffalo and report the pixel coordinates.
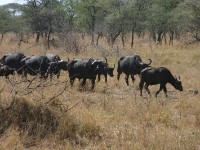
(162, 76)
(13, 61)
(56, 65)
(131, 65)
(34, 65)
(6, 71)
(104, 69)
(83, 69)
(53, 57)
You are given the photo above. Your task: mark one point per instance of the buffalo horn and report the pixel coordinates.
(106, 59)
(175, 77)
(94, 62)
(150, 61)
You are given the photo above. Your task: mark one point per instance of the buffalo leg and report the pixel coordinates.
(126, 78)
(141, 84)
(147, 89)
(161, 87)
(72, 79)
(105, 75)
(133, 79)
(93, 82)
(99, 77)
(58, 75)
(83, 82)
(165, 90)
(51, 76)
(119, 73)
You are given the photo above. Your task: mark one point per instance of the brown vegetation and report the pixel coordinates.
(52, 115)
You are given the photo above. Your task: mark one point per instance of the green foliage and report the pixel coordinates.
(189, 15)
(5, 20)
(104, 18)
(89, 13)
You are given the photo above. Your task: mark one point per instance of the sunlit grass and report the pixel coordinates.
(113, 116)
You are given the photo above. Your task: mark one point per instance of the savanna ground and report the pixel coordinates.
(52, 115)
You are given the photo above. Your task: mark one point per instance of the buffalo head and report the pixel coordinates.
(110, 71)
(178, 84)
(143, 65)
(63, 65)
(94, 65)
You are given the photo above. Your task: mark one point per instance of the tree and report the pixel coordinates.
(88, 14)
(135, 17)
(115, 21)
(5, 21)
(159, 21)
(188, 14)
(43, 17)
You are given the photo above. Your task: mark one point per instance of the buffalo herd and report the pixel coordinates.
(52, 64)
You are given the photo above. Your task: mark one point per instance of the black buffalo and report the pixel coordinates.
(13, 61)
(83, 69)
(6, 71)
(131, 65)
(53, 57)
(34, 65)
(104, 69)
(162, 76)
(56, 65)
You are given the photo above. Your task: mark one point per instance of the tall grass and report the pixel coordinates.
(113, 116)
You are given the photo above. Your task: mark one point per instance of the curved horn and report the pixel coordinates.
(106, 59)
(175, 77)
(150, 61)
(68, 59)
(139, 63)
(114, 66)
(94, 62)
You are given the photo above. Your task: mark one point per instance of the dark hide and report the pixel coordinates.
(162, 76)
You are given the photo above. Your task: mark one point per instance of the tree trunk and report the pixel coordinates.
(2, 35)
(171, 38)
(159, 40)
(48, 39)
(98, 37)
(123, 41)
(132, 38)
(113, 38)
(37, 37)
(154, 36)
(164, 37)
(92, 40)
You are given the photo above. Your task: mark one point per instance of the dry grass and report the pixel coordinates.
(113, 116)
